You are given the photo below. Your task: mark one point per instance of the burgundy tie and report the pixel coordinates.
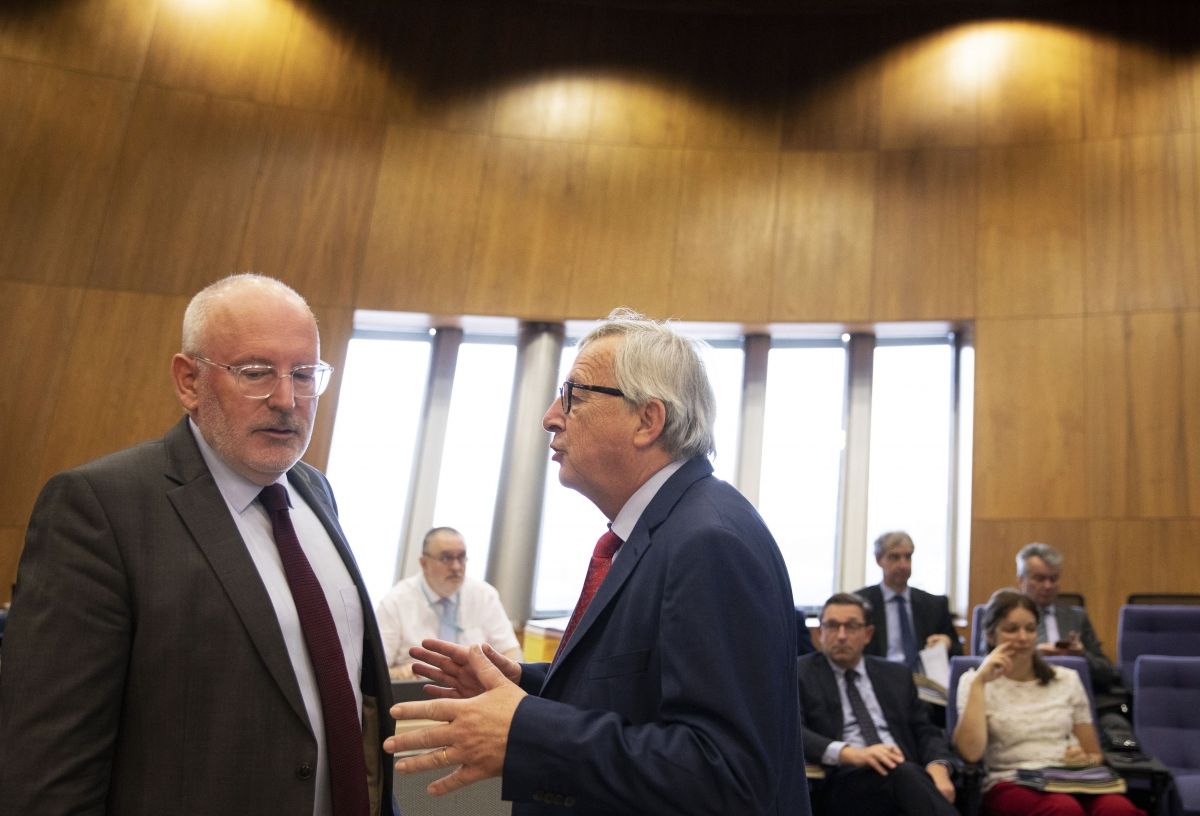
(602, 558)
(343, 733)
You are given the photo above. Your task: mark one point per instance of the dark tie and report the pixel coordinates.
(911, 658)
(343, 733)
(602, 558)
(865, 724)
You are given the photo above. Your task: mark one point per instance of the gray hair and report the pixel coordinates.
(848, 599)
(203, 304)
(1050, 555)
(437, 531)
(653, 361)
(893, 539)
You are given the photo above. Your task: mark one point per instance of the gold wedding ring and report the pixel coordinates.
(445, 758)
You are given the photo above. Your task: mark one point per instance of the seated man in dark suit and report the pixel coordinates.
(1063, 629)
(862, 718)
(905, 619)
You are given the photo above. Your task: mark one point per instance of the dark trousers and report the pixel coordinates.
(905, 789)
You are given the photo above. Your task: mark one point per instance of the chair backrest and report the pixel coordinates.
(959, 666)
(978, 636)
(1071, 599)
(1166, 709)
(1156, 630)
(1164, 599)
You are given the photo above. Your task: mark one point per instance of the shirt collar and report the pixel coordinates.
(627, 519)
(889, 593)
(431, 595)
(838, 670)
(238, 491)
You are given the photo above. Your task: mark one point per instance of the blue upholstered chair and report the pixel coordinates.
(1166, 720)
(1156, 630)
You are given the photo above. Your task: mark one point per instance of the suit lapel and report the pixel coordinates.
(828, 689)
(204, 512)
(632, 550)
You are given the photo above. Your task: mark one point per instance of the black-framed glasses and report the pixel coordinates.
(259, 380)
(448, 558)
(851, 627)
(564, 392)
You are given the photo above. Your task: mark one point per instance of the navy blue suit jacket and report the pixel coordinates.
(676, 694)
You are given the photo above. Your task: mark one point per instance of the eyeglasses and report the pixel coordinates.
(448, 558)
(851, 627)
(259, 381)
(564, 392)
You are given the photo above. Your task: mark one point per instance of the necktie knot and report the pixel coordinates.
(607, 546)
(274, 497)
(852, 676)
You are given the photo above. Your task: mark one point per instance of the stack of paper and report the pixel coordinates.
(1095, 779)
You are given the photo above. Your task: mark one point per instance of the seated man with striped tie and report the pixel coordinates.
(864, 722)
(442, 602)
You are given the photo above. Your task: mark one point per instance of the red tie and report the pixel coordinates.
(343, 733)
(602, 558)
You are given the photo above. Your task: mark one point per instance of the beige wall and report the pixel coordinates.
(552, 161)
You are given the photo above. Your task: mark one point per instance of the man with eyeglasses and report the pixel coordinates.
(673, 690)
(442, 602)
(189, 631)
(864, 722)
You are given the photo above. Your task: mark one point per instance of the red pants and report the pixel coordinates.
(1009, 799)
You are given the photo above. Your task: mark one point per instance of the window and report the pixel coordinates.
(724, 362)
(475, 429)
(909, 478)
(374, 442)
(802, 461)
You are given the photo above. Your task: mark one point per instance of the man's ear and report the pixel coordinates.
(652, 418)
(184, 371)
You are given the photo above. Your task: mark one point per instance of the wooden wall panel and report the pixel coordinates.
(529, 222)
(440, 66)
(994, 547)
(1141, 463)
(1133, 89)
(1125, 556)
(1030, 446)
(1035, 94)
(638, 96)
(311, 209)
(182, 193)
(825, 240)
(735, 93)
(107, 37)
(1030, 231)
(1142, 211)
(60, 136)
(630, 209)
(235, 51)
(341, 65)
(337, 326)
(929, 98)
(1191, 416)
(117, 386)
(36, 328)
(835, 89)
(544, 90)
(724, 254)
(925, 233)
(12, 542)
(423, 221)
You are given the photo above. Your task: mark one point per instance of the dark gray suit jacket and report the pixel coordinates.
(931, 616)
(1075, 619)
(145, 671)
(907, 717)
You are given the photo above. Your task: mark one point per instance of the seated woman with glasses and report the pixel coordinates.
(1018, 711)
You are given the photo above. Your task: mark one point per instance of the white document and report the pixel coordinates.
(936, 661)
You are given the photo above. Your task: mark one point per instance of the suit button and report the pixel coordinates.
(304, 771)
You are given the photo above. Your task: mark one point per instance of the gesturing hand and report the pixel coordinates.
(449, 667)
(997, 664)
(472, 732)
